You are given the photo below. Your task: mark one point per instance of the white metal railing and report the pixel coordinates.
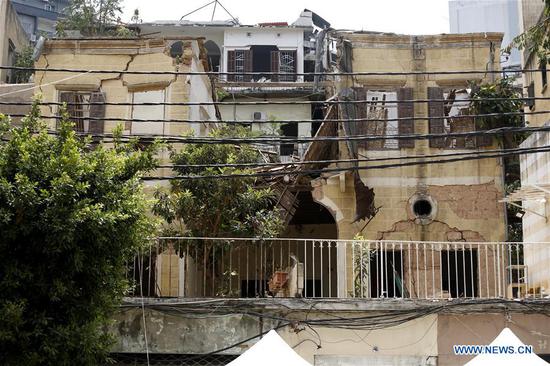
(233, 267)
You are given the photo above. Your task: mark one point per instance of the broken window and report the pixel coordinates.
(459, 273)
(152, 114)
(448, 112)
(378, 118)
(289, 130)
(382, 115)
(543, 73)
(87, 118)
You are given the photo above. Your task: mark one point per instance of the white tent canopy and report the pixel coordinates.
(271, 350)
(507, 338)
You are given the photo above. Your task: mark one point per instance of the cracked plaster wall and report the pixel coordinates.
(128, 55)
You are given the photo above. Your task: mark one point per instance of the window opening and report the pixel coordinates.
(459, 272)
(78, 109)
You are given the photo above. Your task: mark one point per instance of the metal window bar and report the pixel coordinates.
(379, 269)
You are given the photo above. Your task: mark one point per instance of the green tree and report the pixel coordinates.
(24, 59)
(93, 18)
(536, 39)
(496, 98)
(71, 214)
(219, 207)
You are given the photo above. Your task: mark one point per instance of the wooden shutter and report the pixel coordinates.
(97, 113)
(294, 56)
(436, 112)
(405, 110)
(360, 127)
(248, 65)
(530, 102)
(230, 65)
(275, 55)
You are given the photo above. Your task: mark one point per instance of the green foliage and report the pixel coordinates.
(509, 101)
(219, 207)
(23, 59)
(94, 18)
(71, 215)
(536, 39)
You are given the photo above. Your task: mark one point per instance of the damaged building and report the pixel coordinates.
(362, 242)
(379, 266)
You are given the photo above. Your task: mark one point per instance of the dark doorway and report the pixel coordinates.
(318, 115)
(386, 268)
(213, 53)
(288, 130)
(459, 272)
(261, 60)
(315, 224)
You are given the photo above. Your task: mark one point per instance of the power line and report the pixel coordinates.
(288, 140)
(198, 73)
(347, 169)
(278, 102)
(336, 161)
(349, 120)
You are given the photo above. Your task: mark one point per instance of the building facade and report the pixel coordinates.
(262, 62)
(503, 16)
(39, 17)
(534, 194)
(13, 39)
(376, 266)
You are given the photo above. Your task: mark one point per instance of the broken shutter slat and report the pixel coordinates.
(248, 65)
(275, 55)
(436, 112)
(97, 112)
(405, 110)
(360, 128)
(230, 65)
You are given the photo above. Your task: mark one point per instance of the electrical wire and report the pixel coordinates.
(272, 122)
(277, 102)
(336, 161)
(303, 140)
(346, 169)
(216, 73)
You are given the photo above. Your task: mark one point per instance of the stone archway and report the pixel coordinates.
(314, 234)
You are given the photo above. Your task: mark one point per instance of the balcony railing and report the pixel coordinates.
(245, 268)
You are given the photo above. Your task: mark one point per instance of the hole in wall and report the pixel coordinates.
(422, 208)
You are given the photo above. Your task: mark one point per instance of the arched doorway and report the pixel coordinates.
(213, 54)
(312, 234)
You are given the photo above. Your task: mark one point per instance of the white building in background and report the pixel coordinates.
(471, 16)
(276, 53)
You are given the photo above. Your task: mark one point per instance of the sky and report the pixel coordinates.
(398, 16)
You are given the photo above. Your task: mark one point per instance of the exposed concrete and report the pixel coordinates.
(339, 360)
(441, 232)
(184, 333)
(470, 201)
(177, 326)
(532, 329)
